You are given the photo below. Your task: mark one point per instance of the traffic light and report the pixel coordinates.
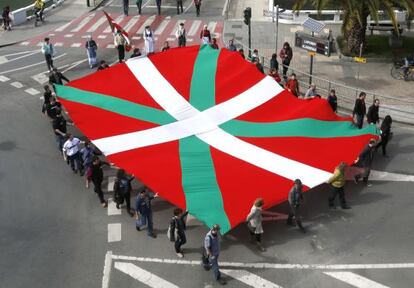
(247, 15)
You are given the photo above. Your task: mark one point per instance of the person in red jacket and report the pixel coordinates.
(292, 85)
(273, 73)
(205, 35)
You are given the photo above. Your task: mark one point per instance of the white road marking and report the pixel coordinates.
(165, 7)
(131, 23)
(39, 44)
(112, 210)
(114, 232)
(170, 39)
(188, 7)
(61, 28)
(190, 40)
(194, 28)
(32, 91)
(293, 29)
(249, 279)
(82, 24)
(76, 45)
(212, 26)
(355, 280)
(388, 176)
(24, 43)
(68, 35)
(20, 53)
(4, 79)
(143, 276)
(102, 36)
(111, 182)
(16, 84)
(117, 20)
(162, 27)
(31, 65)
(74, 64)
(97, 24)
(51, 34)
(107, 270)
(110, 46)
(147, 22)
(260, 265)
(136, 38)
(58, 44)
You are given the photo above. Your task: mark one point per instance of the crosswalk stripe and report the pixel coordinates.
(162, 26)
(16, 84)
(41, 78)
(97, 24)
(355, 280)
(117, 20)
(112, 210)
(147, 22)
(82, 24)
(114, 232)
(131, 23)
(212, 26)
(194, 28)
(176, 27)
(249, 279)
(143, 276)
(32, 91)
(58, 44)
(111, 182)
(61, 28)
(4, 78)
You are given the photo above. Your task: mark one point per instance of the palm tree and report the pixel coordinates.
(355, 13)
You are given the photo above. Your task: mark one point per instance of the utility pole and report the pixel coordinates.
(247, 20)
(311, 64)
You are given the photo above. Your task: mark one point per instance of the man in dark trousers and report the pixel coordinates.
(177, 230)
(364, 160)
(126, 6)
(373, 113)
(143, 212)
(59, 128)
(122, 189)
(158, 2)
(360, 110)
(180, 6)
(337, 182)
(57, 77)
(49, 51)
(197, 4)
(212, 248)
(97, 178)
(295, 199)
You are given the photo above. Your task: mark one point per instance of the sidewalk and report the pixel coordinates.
(373, 77)
(58, 16)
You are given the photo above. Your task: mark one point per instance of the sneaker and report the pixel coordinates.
(117, 206)
(346, 207)
(180, 255)
(105, 204)
(222, 281)
(87, 185)
(138, 229)
(260, 247)
(152, 235)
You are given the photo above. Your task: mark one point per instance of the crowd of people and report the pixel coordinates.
(180, 8)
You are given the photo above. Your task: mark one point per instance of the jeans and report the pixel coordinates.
(143, 220)
(294, 213)
(180, 241)
(75, 162)
(60, 140)
(198, 9)
(334, 192)
(286, 64)
(139, 5)
(179, 5)
(360, 120)
(49, 61)
(214, 266)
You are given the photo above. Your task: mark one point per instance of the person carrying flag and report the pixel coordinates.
(120, 43)
(149, 40)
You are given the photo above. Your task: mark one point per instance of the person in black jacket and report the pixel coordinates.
(364, 160)
(97, 178)
(360, 110)
(177, 230)
(333, 100)
(122, 190)
(385, 134)
(57, 77)
(372, 115)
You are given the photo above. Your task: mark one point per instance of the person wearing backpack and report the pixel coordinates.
(176, 230)
(122, 190)
(212, 249)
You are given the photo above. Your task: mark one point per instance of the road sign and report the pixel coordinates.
(313, 25)
(311, 53)
(360, 59)
(318, 45)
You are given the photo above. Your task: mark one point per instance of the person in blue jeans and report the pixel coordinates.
(212, 247)
(143, 211)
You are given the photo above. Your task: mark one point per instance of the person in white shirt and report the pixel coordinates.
(180, 34)
(149, 40)
(71, 150)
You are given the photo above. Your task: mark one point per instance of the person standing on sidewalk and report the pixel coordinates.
(212, 248)
(360, 110)
(197, 4)
(49, 51)
(364, 161)
(292, 85)
(6, 18)
(295, 199)
(337, 182)
(97, 178)
(180, 6)
(71, 152)
(91, 48)
(143, 212)
(123, 187)
(333, 100)
(373, 112)
(177, 230)
(139, 6)
(181, 35)
(273, 62)
(286, 54)
(125, 4)
(120, 42)
(148, 37)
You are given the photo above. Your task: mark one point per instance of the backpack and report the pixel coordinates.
(175, 236)
(118, 194)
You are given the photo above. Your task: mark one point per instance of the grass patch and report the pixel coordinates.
(15, 4)
(378, 47)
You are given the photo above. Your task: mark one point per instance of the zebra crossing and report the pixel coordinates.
(74, 33)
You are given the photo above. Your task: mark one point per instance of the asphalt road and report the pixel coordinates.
(54, 233)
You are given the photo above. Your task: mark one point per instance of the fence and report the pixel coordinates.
(401, 110)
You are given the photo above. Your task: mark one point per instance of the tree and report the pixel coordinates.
(355, 13)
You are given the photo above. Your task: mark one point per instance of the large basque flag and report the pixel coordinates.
(208, 132)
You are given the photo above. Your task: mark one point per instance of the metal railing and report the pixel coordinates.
(401, 110)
